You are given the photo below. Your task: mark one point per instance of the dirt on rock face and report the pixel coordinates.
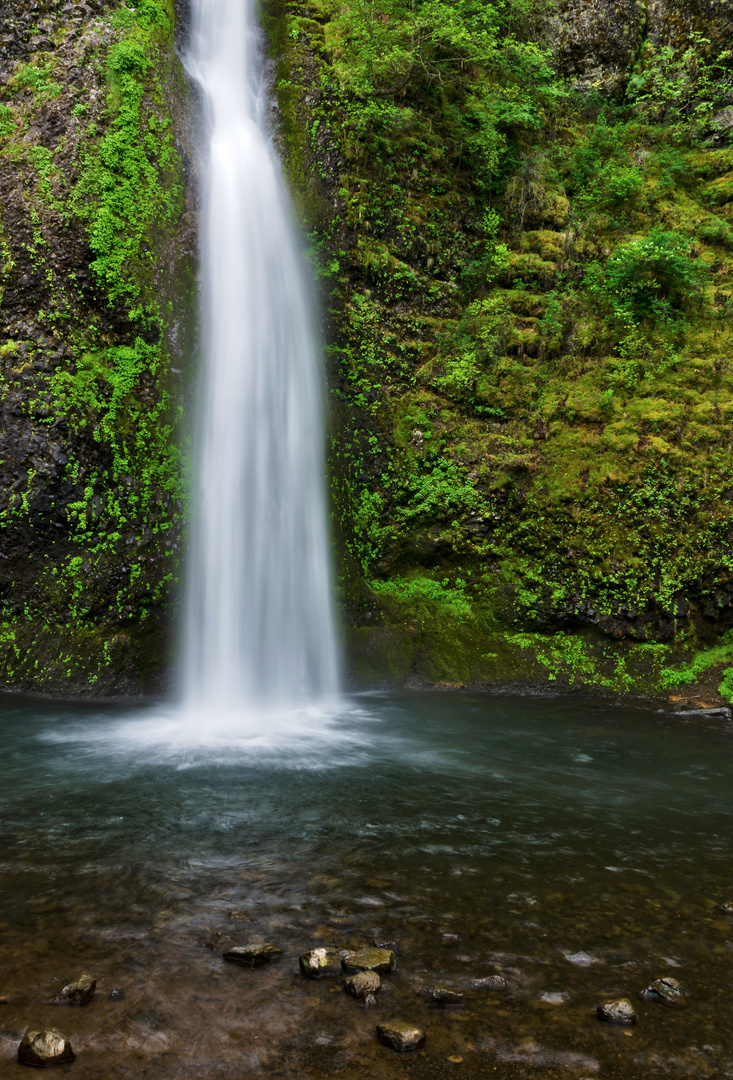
(97, 254)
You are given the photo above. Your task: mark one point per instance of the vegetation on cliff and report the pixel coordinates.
(530, 294)
(90, 306)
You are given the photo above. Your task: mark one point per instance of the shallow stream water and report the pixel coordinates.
(579, 849)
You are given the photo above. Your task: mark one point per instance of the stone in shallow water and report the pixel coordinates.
(491, 982)
(727, 907)
(116, 994)
(381, 960)
(253, 956)
(449, 940)
(363, 984)
(445, 995)
(78, 992)
(666, 990)
(393, 946)
(45, 1048)
(320, 963)
(398, 1035)
(240, 916)
(619, 1011)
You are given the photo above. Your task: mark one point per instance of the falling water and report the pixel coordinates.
(259, 622)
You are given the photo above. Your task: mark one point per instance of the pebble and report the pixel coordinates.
(240, 916)
(666, 990)
(449, 940)
(445, 995)
(78, 992)
(253, 956)
(363, 984)
(398, 1035)
(392, 946)
(381, 960)
(727, 907)
(44, 1048)
(116, 994)
(619, 1011)
(320, 963)
(491, 982)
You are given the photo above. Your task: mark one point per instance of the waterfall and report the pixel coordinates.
(259, 627)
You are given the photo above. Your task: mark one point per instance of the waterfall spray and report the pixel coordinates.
(259, 626)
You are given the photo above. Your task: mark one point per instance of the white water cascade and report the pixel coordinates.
(259, 626)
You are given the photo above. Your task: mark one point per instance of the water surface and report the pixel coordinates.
(577, 848)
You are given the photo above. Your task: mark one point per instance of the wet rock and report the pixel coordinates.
(400, 1036)
(553, 997)
(392, 946)
(240, 916)
(667, 990)
(369, 1000)
(253, 956)
(450, 940)
(321, 963)
(45, 1048)
(445, 995)
(491, 982)
(363, 984)
(116, 994)
(619, 1011)
(222, 937)
(79, 992)
(727, 907)
(382, 960)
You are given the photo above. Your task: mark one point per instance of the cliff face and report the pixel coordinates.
(96, 288)
(529, 283)
(521, 218)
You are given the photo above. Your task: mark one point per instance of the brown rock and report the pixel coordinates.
(620, 1011)
(400, 1036)
(362, 984)
(254, 955)
(445, 995)
(45, 1048)
(320, 963)
(79, 992)
(381, 960)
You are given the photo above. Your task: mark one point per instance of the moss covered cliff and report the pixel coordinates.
(523, 220)
(96, 284)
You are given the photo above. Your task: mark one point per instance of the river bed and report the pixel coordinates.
(577, 848)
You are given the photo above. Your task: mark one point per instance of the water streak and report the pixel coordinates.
(259, 623)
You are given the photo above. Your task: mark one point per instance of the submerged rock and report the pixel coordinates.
(79, 992)
(619, 1011)
(240, 916)
(727, 907)
(449, 940)
(381, 960)
(45, 1048)
(445, 995)
(116, 994)
(491, 982)
(400, 1036)
(392, 946)
(222, 937)
(363, 984)
(666, 990)
(253, 956)
(320, 963)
